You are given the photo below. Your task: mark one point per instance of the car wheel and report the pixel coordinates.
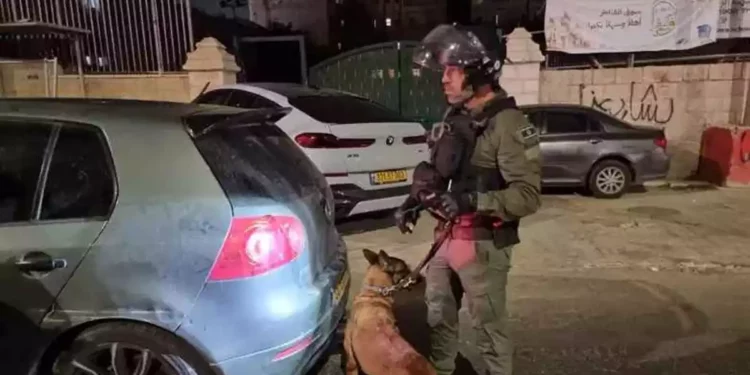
(128, 348)
(609, 179)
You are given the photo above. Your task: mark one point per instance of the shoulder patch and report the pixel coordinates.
(527, 132)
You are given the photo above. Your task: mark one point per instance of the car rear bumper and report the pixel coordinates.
(351, 199)
(321, 340)
(653, 167)
(277, 323)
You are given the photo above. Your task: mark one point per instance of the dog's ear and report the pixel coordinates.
(384, 259)
(371, 256)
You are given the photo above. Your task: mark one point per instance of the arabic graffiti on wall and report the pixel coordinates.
(646, 107)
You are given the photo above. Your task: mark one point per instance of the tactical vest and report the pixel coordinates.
(470, 177)
(453, 151)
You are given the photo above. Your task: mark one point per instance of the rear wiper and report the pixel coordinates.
(203, 90)
(251, 116)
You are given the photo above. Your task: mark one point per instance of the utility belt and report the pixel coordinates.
(479, 228)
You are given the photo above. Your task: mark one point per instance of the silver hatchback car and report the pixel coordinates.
(583, 147)
(161, 238)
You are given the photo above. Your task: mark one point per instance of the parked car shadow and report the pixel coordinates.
(368, 222)
(635, 189)
(18, 337)
(21, 338)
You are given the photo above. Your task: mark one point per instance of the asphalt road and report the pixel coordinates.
(623, 307)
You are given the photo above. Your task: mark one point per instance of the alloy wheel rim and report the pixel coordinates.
(610, 180)
(121, 359)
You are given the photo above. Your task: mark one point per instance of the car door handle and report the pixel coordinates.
(37, 261)
(594, 141)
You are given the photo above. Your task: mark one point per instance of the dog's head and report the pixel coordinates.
(396, 269)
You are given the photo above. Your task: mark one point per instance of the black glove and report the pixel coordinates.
(426, 178)
(407, 215)
(452, 204)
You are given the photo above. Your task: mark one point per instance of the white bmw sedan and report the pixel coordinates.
(366, 151)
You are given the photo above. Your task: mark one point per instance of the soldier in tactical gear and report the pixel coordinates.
(483, 177)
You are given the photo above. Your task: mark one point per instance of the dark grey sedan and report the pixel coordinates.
(583, 147)
(162, 239)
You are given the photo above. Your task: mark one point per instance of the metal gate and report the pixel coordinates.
(385, 74)
(113, 36)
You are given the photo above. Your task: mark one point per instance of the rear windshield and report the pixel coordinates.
(252, 161)
(344, 109)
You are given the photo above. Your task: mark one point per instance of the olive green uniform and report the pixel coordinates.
(479, 266)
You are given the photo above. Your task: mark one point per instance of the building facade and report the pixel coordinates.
(355, 23)
(311, 16)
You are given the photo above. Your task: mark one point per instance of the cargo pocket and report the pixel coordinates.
(502, 255)
(482, 310)
(505, 237)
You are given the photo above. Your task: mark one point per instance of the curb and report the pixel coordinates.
(690, 185)
(679, 185)
(733, 185)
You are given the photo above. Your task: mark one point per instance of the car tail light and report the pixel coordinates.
(256, 245)
(661, 142)
(419, 139)
(294, 349)
(323, 140)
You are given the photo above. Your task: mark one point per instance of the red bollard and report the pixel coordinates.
(739, 172)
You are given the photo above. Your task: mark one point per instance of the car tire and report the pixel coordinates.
(609, 179)
(128, 346)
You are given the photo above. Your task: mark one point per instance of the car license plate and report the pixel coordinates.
(341, 287)
(388, 177)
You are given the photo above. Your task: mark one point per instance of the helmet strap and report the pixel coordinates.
(466, 94)
(477, 76)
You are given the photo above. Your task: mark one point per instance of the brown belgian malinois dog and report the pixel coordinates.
(372, 342)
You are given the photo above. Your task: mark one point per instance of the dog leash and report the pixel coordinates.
(413, 277)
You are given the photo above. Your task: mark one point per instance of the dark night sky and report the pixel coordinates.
(458, 10)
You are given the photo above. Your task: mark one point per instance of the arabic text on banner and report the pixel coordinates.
(734, 19)
(598, 26)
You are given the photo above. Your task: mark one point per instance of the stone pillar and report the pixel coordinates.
(521, 76)
(210, 62)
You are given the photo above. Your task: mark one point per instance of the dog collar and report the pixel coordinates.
(385, 291)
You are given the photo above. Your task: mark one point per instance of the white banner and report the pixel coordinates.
(734, 19)
(597, 26)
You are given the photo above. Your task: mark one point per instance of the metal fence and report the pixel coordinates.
(123, 36)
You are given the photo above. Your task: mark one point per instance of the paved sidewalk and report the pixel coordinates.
(653, 283)
(701, 231)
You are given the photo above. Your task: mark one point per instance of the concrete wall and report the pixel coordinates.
(27, 79)
(682, 99)
(521, 81)
(209, 63)
(521, 77)
(168, 87)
